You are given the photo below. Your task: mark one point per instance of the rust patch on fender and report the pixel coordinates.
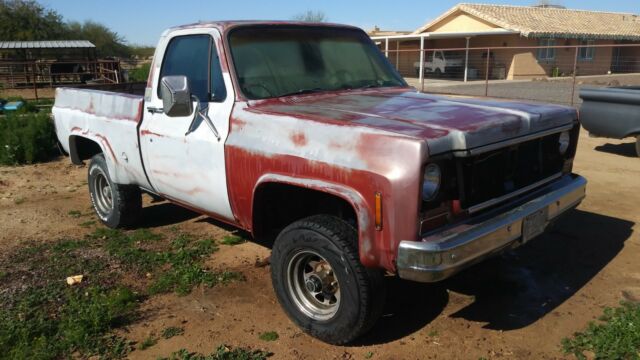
(146, 132)
(108, 145)
(298, 138)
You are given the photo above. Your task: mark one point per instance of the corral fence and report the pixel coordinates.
(540, 73)
(20, 75)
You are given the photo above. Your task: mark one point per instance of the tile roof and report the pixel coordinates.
(61, 44)
(532, 21)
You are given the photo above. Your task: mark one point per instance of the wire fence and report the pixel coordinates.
(540, 73)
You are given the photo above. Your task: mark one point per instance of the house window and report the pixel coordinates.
(547, 53)
(586, 53)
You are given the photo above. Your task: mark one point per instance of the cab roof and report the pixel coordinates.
(226, 25)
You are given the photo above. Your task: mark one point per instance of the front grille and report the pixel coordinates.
(500, 172)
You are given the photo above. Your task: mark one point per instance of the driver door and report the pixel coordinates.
(190, 168)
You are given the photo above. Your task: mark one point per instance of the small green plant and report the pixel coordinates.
(74, 213)
(147, 343)
(231, 240)
(67, 246)
(616, 336)
(269, 336)
(433, 333)
(222, 353)
(368, 355)
(172, 331)
(19, 200)
(87, 224)
(140, 74)
(26, 138)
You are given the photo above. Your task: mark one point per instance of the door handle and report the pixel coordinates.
(155, 110)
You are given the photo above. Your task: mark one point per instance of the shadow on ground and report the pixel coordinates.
(515, 289)
(164, 214)
(624, 149)
(521, 286)
(410, 306)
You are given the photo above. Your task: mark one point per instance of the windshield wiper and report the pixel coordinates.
(303, 91)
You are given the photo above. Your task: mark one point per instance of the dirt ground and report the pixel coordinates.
(519, 305)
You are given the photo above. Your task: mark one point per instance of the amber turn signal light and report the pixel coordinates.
(378, 211)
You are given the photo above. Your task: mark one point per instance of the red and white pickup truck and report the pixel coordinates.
(305, 136)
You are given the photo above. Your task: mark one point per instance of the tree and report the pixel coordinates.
(107, 42)
(26, 20)
(548, 4)
(311, 16)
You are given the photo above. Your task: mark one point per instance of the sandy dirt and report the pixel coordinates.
(519, 305)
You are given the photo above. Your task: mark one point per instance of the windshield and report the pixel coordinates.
(275, 61)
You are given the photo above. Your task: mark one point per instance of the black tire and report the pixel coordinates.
(361, 290)
(117, 206)
(437, 73)
(638, 145)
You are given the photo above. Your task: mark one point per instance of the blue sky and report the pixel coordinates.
(142, 21)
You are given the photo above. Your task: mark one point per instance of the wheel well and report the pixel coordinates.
(277, 205)
(81, 148)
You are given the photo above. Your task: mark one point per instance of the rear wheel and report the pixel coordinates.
(320, 282)
(117, 206)
(638, 145)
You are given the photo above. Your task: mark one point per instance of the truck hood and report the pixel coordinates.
(447, 123)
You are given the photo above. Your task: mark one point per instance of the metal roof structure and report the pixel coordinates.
(54, 44)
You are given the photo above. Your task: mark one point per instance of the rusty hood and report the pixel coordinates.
(447, 123)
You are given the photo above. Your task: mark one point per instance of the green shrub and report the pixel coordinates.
(140, 74)
(172, 331)
(269, 336)
(616, 336)
(26, 138)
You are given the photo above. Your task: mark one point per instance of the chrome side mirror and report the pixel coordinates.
(176, 96)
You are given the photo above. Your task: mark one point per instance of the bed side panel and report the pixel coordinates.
(109, 119)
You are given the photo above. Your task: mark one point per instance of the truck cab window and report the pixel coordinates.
(218, 91)
(189, 56)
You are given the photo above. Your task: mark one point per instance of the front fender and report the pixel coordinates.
(366, 229)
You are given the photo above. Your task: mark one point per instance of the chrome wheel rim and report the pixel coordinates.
(313, 286)
(102, 193)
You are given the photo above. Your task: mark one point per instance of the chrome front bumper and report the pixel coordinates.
(438, 256)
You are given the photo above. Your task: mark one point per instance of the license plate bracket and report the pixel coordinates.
(534, 224)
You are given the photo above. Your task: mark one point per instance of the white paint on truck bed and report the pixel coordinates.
(108, 119)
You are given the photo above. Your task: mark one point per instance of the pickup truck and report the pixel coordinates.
(307, 138)
(440, 63)
(612, 112)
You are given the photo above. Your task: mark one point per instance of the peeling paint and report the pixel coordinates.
(298, 138)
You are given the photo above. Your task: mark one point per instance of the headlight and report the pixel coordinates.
(563, 142)
(431, 182)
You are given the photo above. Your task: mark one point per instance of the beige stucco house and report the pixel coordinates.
(509, 30)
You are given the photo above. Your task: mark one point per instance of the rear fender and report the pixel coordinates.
(105, 147)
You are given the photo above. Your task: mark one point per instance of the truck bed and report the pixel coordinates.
(611, 112)
(109, 119)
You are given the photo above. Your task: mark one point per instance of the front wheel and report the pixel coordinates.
(116, 205)
(320, 282)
